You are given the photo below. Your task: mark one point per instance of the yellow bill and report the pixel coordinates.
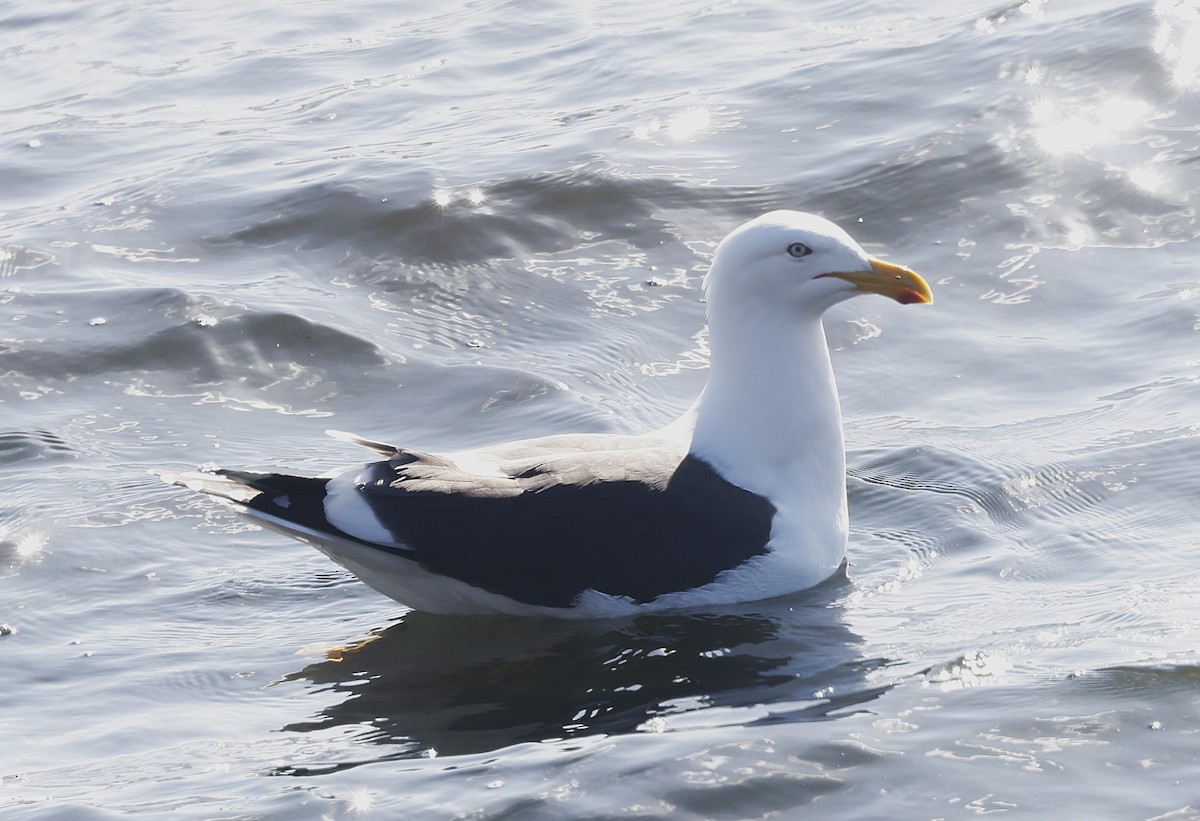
(901, 284)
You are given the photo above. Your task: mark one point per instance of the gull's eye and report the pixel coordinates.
(798, 250)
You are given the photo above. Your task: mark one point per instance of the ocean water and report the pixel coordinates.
(227, 227)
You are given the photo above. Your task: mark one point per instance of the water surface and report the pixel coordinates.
(229, 227)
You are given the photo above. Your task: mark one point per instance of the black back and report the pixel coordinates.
(544, 547)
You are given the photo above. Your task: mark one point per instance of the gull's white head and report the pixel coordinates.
(790, 258)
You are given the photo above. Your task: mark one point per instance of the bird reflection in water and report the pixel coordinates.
(455, 685)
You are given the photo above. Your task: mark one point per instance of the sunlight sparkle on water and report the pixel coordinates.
(1061, 129)
(29, 545)
(443, 198)
(1033, 8)
(361, 800)
(1147, 178)
(1177, 40)
(689, 123)
(973, 669)
(682, 125)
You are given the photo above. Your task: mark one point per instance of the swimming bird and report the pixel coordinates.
(742, 499)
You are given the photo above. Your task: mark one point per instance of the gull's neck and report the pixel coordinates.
(768, 418)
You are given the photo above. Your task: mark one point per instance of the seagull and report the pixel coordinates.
(741, 499)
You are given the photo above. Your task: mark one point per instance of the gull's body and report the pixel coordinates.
(742, 499)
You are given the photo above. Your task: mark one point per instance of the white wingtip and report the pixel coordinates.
(382, 448)
(212, 484)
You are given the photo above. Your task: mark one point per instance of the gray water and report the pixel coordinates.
(227, 227)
